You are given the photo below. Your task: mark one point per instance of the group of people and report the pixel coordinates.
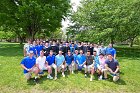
(69, 56)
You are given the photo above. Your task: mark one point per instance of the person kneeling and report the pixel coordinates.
(60, 62)
(81, 60)
(112, 67)
(42, 64)
(89, 66)
(28, 64)
(51, 62)
(70, 62)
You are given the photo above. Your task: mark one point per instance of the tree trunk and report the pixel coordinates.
(131, 42)
(112, 40)
(21, 40)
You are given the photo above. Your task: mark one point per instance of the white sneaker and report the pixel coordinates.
(91, 79)
(100, 78)
(49, 77)
(72, 72)
(85, 75)
(55, 78)
(63, 74)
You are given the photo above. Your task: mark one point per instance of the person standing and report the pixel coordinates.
(91, 48)
(27, 48)
(46, 49)
(66, 48)
(111, 50)
(55, 48)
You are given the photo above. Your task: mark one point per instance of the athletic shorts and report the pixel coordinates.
(88, 67)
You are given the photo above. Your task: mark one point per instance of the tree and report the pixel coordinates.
(33, 16)
(107, 20)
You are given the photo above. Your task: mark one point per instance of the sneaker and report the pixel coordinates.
(91, 79)
(85, 75)
(50, 77)
(55, 78)
(72, 72)
(63, 75)
(100, 77)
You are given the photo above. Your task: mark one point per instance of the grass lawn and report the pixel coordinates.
(12, 79)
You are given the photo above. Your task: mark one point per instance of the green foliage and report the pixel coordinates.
(107, 20)
(4, 34)
(33, 16)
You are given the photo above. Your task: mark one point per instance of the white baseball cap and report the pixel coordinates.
(31, 52)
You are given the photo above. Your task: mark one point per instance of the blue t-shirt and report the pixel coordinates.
(50, 59)
(28, 63)
(69, 59)
(39, 48)
(72, 49)
(75, 57)
(59, 59)
(75, 46)
(111, 51)
(103, 50)
(112, 64)
(96, 59)
(33, 48)
(81, 59)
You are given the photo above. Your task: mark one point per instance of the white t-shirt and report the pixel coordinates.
(27, 47)
(41, 62)
(97, 50)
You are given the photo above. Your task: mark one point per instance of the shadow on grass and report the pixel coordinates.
(119, 82)
(128, 52)
(10, 50)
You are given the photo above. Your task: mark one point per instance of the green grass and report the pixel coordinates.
(12, 79)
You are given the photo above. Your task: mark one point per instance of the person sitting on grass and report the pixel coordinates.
(89, 66)
(70, 61)
(112, 67)
(97, 65)
(51, 62)
(42, 64)
(28, 64)
(60, 62)
(81, 60)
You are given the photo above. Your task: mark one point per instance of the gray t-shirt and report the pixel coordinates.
(89, 60)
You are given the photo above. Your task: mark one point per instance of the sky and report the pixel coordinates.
(75, 4)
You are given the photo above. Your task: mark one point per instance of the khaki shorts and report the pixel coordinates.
(60, 67)
(53, 66)
(29, 74)
(88, 67)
